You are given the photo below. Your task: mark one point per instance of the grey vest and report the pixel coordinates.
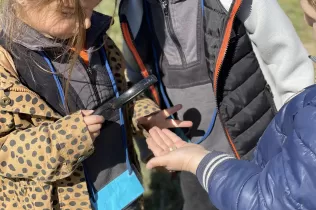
(188, 38)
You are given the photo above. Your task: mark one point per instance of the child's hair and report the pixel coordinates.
(312, 3)
(13, 28)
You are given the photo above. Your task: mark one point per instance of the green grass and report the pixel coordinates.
(162, 193)
(293, 10)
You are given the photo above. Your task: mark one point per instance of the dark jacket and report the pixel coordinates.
(282, 173)
(237, 60)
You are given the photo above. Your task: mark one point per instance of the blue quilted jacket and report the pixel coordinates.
(282, 174)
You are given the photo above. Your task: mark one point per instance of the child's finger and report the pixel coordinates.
(93, 119)
(172, 135)
(165, 138)
(157, 138)
(154, 147)
(168, 112)
(94, 128)
(87, 112)
(95, 134)
(161, 161)
(178, 124)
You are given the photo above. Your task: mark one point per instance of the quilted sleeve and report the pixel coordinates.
(47, 152)
(282, 57)
(286, 181)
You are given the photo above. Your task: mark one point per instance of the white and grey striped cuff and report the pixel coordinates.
(208, 165)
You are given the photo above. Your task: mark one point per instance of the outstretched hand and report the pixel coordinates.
(172, 152)
(160, 120)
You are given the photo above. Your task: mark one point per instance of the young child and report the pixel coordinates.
(56, 60)
(282, 172)
(232, 64)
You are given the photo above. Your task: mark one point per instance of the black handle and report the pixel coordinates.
(127, 96)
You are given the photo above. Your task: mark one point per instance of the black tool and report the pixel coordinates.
(106, 109)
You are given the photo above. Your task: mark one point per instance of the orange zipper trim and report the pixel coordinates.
(225, 42)
(220, 59)
(144, 71)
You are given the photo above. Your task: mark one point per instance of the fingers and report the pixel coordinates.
(158, 139)
(93, 122)
(178, 124)
(154, 147)
(87, 112)
(172, 110)
(93, 119)
(172, 136)
(164, 138)
(161, 161)
(94, 128)
(95, 134)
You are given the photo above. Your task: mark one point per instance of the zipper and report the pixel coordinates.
(166, 12)
(219, 62)
(92, 75)
(128, 40)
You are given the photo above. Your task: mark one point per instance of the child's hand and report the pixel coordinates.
(93, 122)
(160, 120)
(172, 152)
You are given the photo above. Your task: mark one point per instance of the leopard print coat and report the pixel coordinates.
(40, 151)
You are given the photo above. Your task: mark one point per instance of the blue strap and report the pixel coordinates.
(59, 86)
(61, 94)
(117, 94)
(163, 93)
(202, 6)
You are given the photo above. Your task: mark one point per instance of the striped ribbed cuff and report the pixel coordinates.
(208, 165)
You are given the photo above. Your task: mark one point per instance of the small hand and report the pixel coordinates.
(172, 152)
(160, 120)
(93, 122)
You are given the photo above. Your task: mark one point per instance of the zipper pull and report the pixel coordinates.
(164, 5)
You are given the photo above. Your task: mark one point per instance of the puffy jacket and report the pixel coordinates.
(282, 174)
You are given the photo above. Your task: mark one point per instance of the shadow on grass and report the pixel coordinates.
(165, 192)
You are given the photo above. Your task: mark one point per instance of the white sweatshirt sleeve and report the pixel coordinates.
(282, 57)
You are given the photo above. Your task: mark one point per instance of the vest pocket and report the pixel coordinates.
(178, 28)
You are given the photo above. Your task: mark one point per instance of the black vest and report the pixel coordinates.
(245, 101)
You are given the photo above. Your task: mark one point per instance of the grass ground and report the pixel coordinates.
(162, 193)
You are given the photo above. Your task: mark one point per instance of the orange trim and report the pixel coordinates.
(232, 145)
(220, 59)
(85, 56)
(225, 42)
(144, 72)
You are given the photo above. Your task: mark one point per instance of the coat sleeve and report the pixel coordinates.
(47, 152)
(286, 181)
(282, 57)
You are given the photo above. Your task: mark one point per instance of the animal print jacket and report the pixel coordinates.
(40, 151)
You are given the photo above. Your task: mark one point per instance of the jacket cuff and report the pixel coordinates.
(208, 165)
(142, 108)
(78, 144)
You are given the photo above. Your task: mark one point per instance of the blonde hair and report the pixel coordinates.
(312, 3)
(14, 28)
